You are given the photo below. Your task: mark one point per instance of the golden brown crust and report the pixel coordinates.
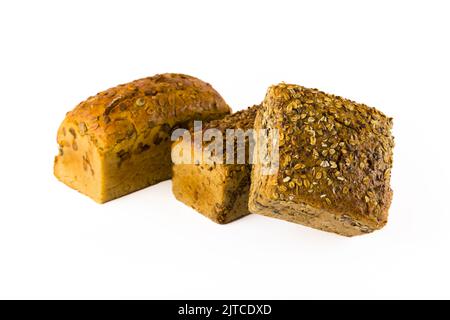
(130, 110)
(335, 155)
(119, 141)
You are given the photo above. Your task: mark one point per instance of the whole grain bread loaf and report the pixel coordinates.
(118, 141)
(217, 189)
(335, 160)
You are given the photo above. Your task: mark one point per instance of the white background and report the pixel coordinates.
(57, 243)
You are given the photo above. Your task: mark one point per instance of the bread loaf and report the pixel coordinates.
(118, 141)
(335, 160)
(217, 190)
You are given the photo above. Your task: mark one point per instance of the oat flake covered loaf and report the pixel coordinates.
(335, 160)
(217, 190)
(118, 141)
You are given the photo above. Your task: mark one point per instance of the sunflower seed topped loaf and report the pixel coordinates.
(335, 160)
(217, 190)
(118, 141)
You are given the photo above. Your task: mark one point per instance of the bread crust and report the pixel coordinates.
(335, 162)
(127, 130)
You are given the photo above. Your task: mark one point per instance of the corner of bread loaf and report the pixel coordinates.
(79, 164)
(264, 200)
(201, 188)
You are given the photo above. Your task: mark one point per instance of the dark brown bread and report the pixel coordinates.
(334, 165)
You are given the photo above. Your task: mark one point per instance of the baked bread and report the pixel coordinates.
(119, 141)
(217, 189)
(335, 160)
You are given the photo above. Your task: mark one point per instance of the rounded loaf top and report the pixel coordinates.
(335, 154)
(131, 110)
